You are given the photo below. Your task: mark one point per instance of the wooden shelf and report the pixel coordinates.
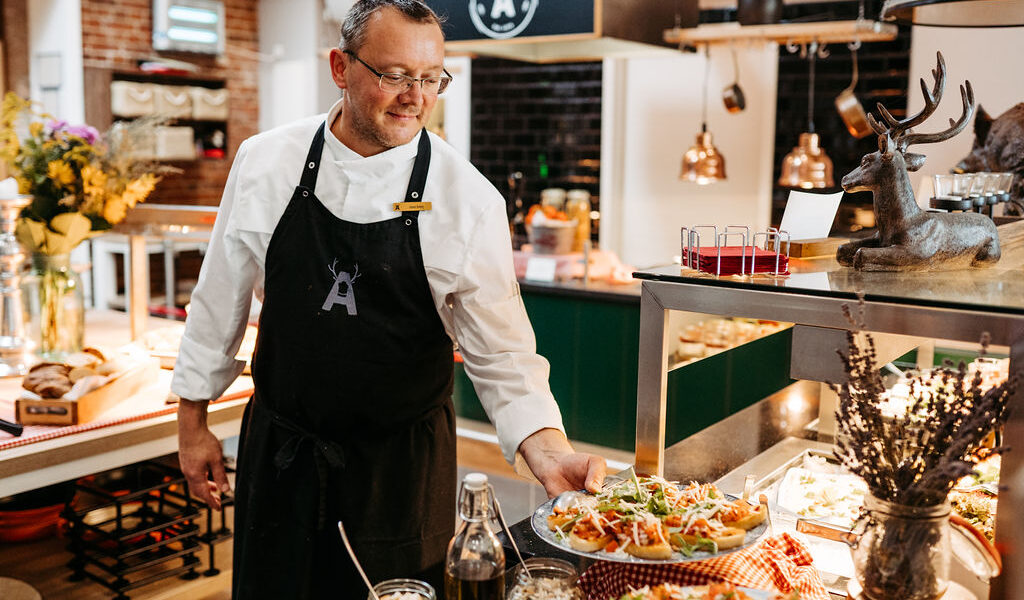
(824, 32)
(175, 78)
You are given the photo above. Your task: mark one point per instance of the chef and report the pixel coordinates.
(372, 245)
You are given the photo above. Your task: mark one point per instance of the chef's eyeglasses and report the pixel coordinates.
(398, 83)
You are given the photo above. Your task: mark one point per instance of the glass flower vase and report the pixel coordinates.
(55, 306)
(904, 551)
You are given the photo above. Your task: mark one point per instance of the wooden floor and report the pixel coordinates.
(43, 564)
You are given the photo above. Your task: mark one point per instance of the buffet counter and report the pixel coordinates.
(902, 310)
(140, 427)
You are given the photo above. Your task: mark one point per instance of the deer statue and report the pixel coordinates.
(336, 296)
(909, 238)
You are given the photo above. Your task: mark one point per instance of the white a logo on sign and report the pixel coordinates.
(502, 19)
(342, 292)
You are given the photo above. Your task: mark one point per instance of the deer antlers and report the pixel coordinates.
(899, 131)
(337, 275)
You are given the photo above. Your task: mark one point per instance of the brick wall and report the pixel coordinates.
(117, 34)
(522, 111)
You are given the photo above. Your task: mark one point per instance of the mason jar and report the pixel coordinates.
(394, 588)
(904, 551)
(549, 579)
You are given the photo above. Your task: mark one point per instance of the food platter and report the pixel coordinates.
(539, 522)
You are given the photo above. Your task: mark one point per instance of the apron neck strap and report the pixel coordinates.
(418, 180)
(312, 165)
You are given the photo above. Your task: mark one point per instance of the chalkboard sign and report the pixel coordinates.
(507, 19)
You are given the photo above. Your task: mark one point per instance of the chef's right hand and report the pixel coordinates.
(200, 454)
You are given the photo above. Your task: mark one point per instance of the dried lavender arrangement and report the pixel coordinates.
(911, 460)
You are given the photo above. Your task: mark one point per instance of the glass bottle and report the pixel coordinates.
(475, 564)
(515, 210)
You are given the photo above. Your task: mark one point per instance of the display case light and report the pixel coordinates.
(189, 34)
(189, 26)
(190, 14)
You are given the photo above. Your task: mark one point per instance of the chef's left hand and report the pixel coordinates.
(558, 467)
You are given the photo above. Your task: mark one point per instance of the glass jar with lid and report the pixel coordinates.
(548, 579)
(553, 197)
(577, 208)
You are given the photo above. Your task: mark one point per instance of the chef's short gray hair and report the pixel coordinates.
(353, 30)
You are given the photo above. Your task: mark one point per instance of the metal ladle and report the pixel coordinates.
(355, 561)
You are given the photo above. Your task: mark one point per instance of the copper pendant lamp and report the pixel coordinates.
(807, 166)
(703, 163)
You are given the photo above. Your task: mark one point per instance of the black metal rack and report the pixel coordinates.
(134, 526)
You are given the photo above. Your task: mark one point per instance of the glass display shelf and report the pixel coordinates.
(997, 289)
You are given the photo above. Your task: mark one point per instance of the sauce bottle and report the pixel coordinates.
(475, 564)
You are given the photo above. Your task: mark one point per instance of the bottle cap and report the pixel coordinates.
(475, 482)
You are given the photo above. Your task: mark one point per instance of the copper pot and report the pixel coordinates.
(733, 98)
(850, 109)
(732, 95)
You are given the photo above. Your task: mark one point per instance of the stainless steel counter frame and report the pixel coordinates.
(658, 297)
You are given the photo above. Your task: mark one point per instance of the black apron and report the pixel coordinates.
(352, 416)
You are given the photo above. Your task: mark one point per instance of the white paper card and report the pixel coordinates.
(809, 216)
(541, 269)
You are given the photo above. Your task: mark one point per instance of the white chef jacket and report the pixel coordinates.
(466, 251)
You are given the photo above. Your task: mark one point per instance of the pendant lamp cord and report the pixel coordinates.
(810, 89)
(707, 71)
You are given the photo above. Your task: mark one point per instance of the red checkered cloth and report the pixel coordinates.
(779, 563)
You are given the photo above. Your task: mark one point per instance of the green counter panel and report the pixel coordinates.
(593, 345)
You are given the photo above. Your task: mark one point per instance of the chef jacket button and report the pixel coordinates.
(408, 221)
(415, 194)
(312, 164)
(305, 193)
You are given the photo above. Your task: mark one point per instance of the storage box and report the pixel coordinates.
(552, 239)
(175, 143)
(209, 104)
(173, 101)
(132, 99)
(90, 406)
(815, 247)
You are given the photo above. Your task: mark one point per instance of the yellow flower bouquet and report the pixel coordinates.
(81, 182)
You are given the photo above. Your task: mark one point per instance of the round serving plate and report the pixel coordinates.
(539, 522)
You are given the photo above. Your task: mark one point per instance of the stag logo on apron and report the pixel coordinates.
(502, 19)
(341, 291)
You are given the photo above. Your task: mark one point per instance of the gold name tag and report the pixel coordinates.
(411, 206)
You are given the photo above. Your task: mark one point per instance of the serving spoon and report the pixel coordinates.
(355, 561)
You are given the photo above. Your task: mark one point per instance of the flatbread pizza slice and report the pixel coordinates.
(742, 515)
(589, 534)
(648, 539)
